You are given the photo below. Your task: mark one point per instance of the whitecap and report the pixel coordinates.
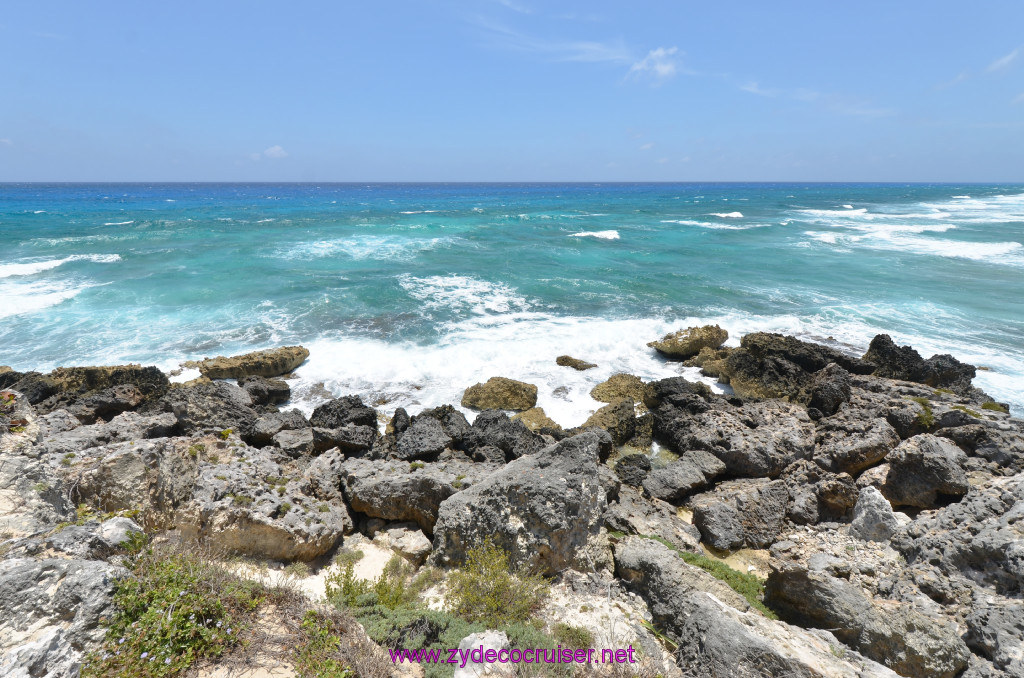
(849, 207)
(601, 235)
(119, 223)
(419, 212)
(463, 293)
(382, 247)
(728, 215)
(20, 297)
(33, 267)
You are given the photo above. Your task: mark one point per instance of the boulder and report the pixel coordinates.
(903, 362)
(741, 513)
(692, 472)
(817, 495)
(400, 491)
(620, 386)
(272, 362)
(350, 439)
(618, 418)
(35, 387)
(687, 343)
(107, 403)
(500, 393)
(897, 635)
(995, 630)
(122, 428)
(341, 411)
(545, 509)
(210, 407)
(484, 642)
(406, 541)
(536, 419)
(424, 438)
(493, 429)
(633, 468)
(829, 389)
(268, 425)
(575, 363)
(50, 613)
(873, 517)
(1001, 443)
(848, 442)
(265, 391)
(925, 471)
(632, 513)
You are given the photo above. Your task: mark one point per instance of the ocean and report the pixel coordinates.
(408, 293)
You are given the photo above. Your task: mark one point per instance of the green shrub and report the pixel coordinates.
(317, 650)
(240, 499)
(925, 417)
(416, 628)
(995, 407)
(575, 637)
(297, 570)
(487, 590)
(172, 610)
(347, 555)
(225, 434)
(416, 465)
(390, 589)
(967, 411)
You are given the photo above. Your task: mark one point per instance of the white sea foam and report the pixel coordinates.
(264, 221)
(711, 225)
(119, 223)
(845, 213)
(419, 212)
(464, 293)
(39, 212)
(382, 247)
(18, 297)
(33, 267)
(602, 235)
(849, 207)
(728, 215)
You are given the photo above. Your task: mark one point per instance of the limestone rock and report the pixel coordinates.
(266, 391)
(345, 410)
(924, 469)
(903, 362)
(632, 513)
(829, 389)
(849, 442)
(536, 419)
(633, 468)
(995, 630)
(271, 362)
(742, 513)
(683, 344)
(618, 418)
(619, 386)
(500, 393)
(692, 472)
(575, 363)
(493, 429)
(873, 517)
(544, 509)
(212, 407)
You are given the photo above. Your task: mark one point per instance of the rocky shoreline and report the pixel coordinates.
(877, 500)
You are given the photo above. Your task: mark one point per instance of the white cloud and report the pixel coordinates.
(515, 6)
(275, 152)
(647, 147)
(1003, 61)
(556, 50)
(659, 63)
(754, 88)
(6, 142)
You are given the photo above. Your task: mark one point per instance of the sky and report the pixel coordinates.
(512, 90)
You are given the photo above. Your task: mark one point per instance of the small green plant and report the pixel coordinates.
(67, 458)
(240, 499)
(172, 610)
(995, 407)
(967, 411)
(316, 655)
(575, 637)
(195, 450)
(341, 587)
(416, 465)
(926, 418)
(297, 570)
(837, 651)
(459, 483)
(225, 434)
(41, 488)
(17, 429)
(284, 508)
(214, 458)
(487, 589)
(322, 507)
(346, 555)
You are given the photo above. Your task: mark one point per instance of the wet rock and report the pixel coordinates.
(545, 509)
(904, 639)
(500, 393)
(620, 386)
(633, 468)
(741, 513)
(924, 470)
(575, 363)
(266, 391)
(873, 517)
(692, 472)
(618, 418)
(903, 362)
(272, 362)
(536, 419)
(683, 344)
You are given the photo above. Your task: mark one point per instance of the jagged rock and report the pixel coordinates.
(633, 514)
(107, 404)
(575, 363)
(904, 639)
(816, 494)
(500, 393)
(619, 386)
(424, 438)
(86, 389)
(716, 640)
(924, 470)
(756, 439)
(1001, 443)
(663, 579)
(618, 418)
(94, 540)
(294, 442)
(406, 541)
(36, 387)
(124, 427)
(399, 422)
(396, 490)
(493, 428)
(678, 392)
(995, 630)
(544, 509)
(741, 513)
(266, 391)
(32, 496)
(873, 517)
(536, 419)
(981, 535)
(213, 407)
(350, 439)
(849, 443)
(683, 344)
(268, 425)
(829, 389)
(903, 362)
(272, 362)
(50, 612)
(633, 468)
(341, 411)
(693, 471)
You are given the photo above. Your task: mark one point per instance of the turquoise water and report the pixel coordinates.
(409, 293)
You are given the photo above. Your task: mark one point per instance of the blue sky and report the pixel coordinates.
(495, 90)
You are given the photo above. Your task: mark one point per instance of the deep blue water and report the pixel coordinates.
(409, 293)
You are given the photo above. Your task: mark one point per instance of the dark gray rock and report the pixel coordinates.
(350, 438)
(425, 437)
(741, 513)
(265, 391)
(925, 471)
(995, 630)
(1001, 443)
(903, 362)
(817, 495)
(107, 403)
(692, 472)
(545, 509)
(346, 410)
(296, 442)
(493, 428)
(829, 389)
(632, 513)
(210, 407)
(633, 468)
(268, 425)
(848, 442)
